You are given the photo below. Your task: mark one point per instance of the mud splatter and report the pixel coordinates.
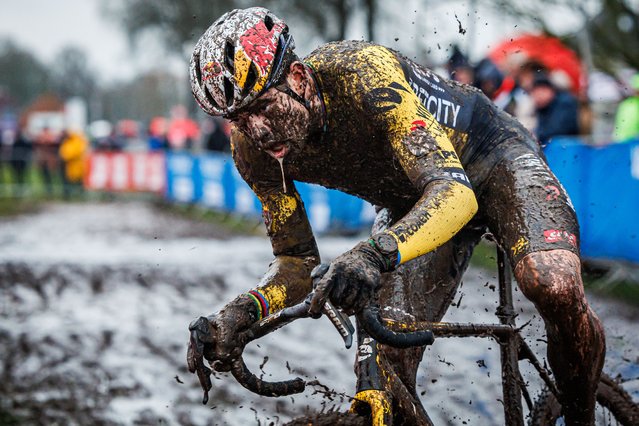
(461, 29)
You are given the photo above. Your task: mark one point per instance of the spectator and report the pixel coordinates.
(526, 74)
(459, 68)
(497, 86)
(72, 152)
(183, 131)
(111, 143)
(19, 160)
(627, 116)
(557, 110)
(157, 134)
(218, 138)
(46, 146)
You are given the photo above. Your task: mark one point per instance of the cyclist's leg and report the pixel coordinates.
(422, 289)
(531, 216)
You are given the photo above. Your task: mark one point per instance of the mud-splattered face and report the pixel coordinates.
(276, 122)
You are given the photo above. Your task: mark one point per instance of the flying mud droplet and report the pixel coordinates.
(461, 29)
(281, 161)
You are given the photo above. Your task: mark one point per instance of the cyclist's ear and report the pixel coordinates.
(297, 77)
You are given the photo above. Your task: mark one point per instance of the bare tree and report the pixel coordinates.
(71, 75)
(328, 18)
(147, 96)
(371, 15)
(22, 76)
(182, 22)
(614, 35)
(179, 22)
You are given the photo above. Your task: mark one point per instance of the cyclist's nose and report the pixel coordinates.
(258, 129)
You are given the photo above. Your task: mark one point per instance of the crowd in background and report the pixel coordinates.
(56, 155)
(539, 99)
(177, 132)
(546, 101)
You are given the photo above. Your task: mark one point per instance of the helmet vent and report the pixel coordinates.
(276, 72)
(198, 71)
(251, 78)
(228, 92)
(209, 98)
(268, 21)
(229, 56)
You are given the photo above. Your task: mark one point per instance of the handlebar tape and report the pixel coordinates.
(369, 317)
(251, 382)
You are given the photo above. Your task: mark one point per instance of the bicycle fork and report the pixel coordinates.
(377, 384)
(370, 390)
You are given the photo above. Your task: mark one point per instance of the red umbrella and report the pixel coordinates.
(550, 51)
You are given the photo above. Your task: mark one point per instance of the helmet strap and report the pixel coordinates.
(320, 97)
(284, 88)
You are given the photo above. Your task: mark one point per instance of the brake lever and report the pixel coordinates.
(340, 320)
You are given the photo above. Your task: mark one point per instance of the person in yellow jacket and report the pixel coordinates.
(73, 151)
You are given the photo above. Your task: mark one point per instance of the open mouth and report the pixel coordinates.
(277, 150)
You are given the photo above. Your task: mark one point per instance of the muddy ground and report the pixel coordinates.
(95, 300)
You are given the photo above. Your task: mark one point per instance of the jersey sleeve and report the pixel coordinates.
(288, 278)
(423, 150)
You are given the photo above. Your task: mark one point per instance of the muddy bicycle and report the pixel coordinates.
(382, 398)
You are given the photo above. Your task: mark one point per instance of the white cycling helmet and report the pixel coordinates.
(238, 58)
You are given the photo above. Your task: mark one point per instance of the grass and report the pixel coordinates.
(616, 280)
(625, 291)
(16, 199)
(8, 419)
(608, 279)
(485, 256)
(10, 207)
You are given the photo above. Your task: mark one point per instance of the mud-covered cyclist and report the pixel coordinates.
(440, 161)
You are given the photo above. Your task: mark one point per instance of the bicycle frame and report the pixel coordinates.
(512, 349)
(377, 385)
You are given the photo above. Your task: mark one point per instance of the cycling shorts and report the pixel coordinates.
(524, 205)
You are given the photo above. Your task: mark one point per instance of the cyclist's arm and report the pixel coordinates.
(428, 158)
(287, 280)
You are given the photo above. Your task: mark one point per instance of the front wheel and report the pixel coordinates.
(613, 403)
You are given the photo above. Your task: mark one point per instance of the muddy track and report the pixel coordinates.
(93, 328)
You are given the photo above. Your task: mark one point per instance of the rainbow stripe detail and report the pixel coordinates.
(261, 303)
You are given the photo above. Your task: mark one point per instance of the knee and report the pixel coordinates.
(552, 280)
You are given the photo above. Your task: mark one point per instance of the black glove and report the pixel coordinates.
(352, 278)
(217, 338)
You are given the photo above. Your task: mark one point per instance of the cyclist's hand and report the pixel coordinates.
(350, 281)
(217, 338)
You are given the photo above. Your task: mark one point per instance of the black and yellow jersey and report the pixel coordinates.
(473, 124)
(396, 135)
